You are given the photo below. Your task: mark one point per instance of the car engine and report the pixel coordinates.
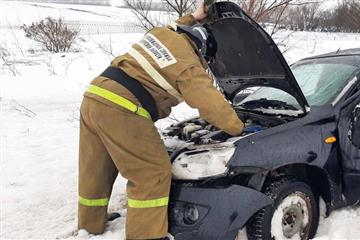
(199, 132)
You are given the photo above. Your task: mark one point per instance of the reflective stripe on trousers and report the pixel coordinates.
(121, 101)
(159, 202)
(101, 202)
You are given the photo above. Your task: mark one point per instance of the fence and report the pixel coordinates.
(88, 27)
(83, 2)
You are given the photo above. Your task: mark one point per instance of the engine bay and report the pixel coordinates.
(199, 132)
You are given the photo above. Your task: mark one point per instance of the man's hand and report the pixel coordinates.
(200, 12)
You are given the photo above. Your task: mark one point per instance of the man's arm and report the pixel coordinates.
(198, 91)
(192, 19)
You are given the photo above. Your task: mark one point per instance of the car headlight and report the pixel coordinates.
(192, 165)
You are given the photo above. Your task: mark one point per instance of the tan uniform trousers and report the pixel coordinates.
(112, 140)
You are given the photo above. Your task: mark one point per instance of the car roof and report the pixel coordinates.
(345, 52)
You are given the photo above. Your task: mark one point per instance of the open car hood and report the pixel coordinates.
(247, 56)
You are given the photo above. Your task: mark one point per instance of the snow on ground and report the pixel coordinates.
(69, 11)
(342, 224)
(40, 100)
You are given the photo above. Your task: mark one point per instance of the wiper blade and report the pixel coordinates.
(266, 103)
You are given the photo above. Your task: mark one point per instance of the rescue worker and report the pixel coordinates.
(117, 132)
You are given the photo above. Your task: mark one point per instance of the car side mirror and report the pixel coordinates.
(355, 127)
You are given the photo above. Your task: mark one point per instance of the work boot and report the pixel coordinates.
(112, 216)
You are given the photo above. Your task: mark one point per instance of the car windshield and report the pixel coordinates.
(320, 81)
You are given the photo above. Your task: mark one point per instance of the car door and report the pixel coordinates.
(355, 127)
(349, 145)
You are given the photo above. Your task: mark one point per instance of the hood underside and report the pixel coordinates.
(247, 56)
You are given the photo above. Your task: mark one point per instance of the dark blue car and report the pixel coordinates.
(301, 143)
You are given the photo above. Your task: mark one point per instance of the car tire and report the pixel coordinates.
(295, 212)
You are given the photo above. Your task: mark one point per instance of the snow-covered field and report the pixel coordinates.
(40, 99)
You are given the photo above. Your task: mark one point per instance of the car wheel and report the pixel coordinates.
(294, 214)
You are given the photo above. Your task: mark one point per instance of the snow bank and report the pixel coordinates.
(341, 224)
(16, 13)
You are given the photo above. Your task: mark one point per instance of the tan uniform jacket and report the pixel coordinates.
(171, 69)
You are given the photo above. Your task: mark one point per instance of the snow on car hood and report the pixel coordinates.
(202, 161)
(202, 164)
(247, 56)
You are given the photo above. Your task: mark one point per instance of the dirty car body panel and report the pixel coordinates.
(316, 141)
(220, 213)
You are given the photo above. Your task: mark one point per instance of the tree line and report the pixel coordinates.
(345, 17)
(302, 15)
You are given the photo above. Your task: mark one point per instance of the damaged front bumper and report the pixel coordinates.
(212, 213)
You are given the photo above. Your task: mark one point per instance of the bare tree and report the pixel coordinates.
(344, 18)
(147, 19)
(263, 10)
(266, 11)
(107, 48)
(325, 19)
(354, 14)
(181, 7)
(259, 10)
(6, 62)
(347, 16)
(16, 40)
(142, 11)
(303, 17)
